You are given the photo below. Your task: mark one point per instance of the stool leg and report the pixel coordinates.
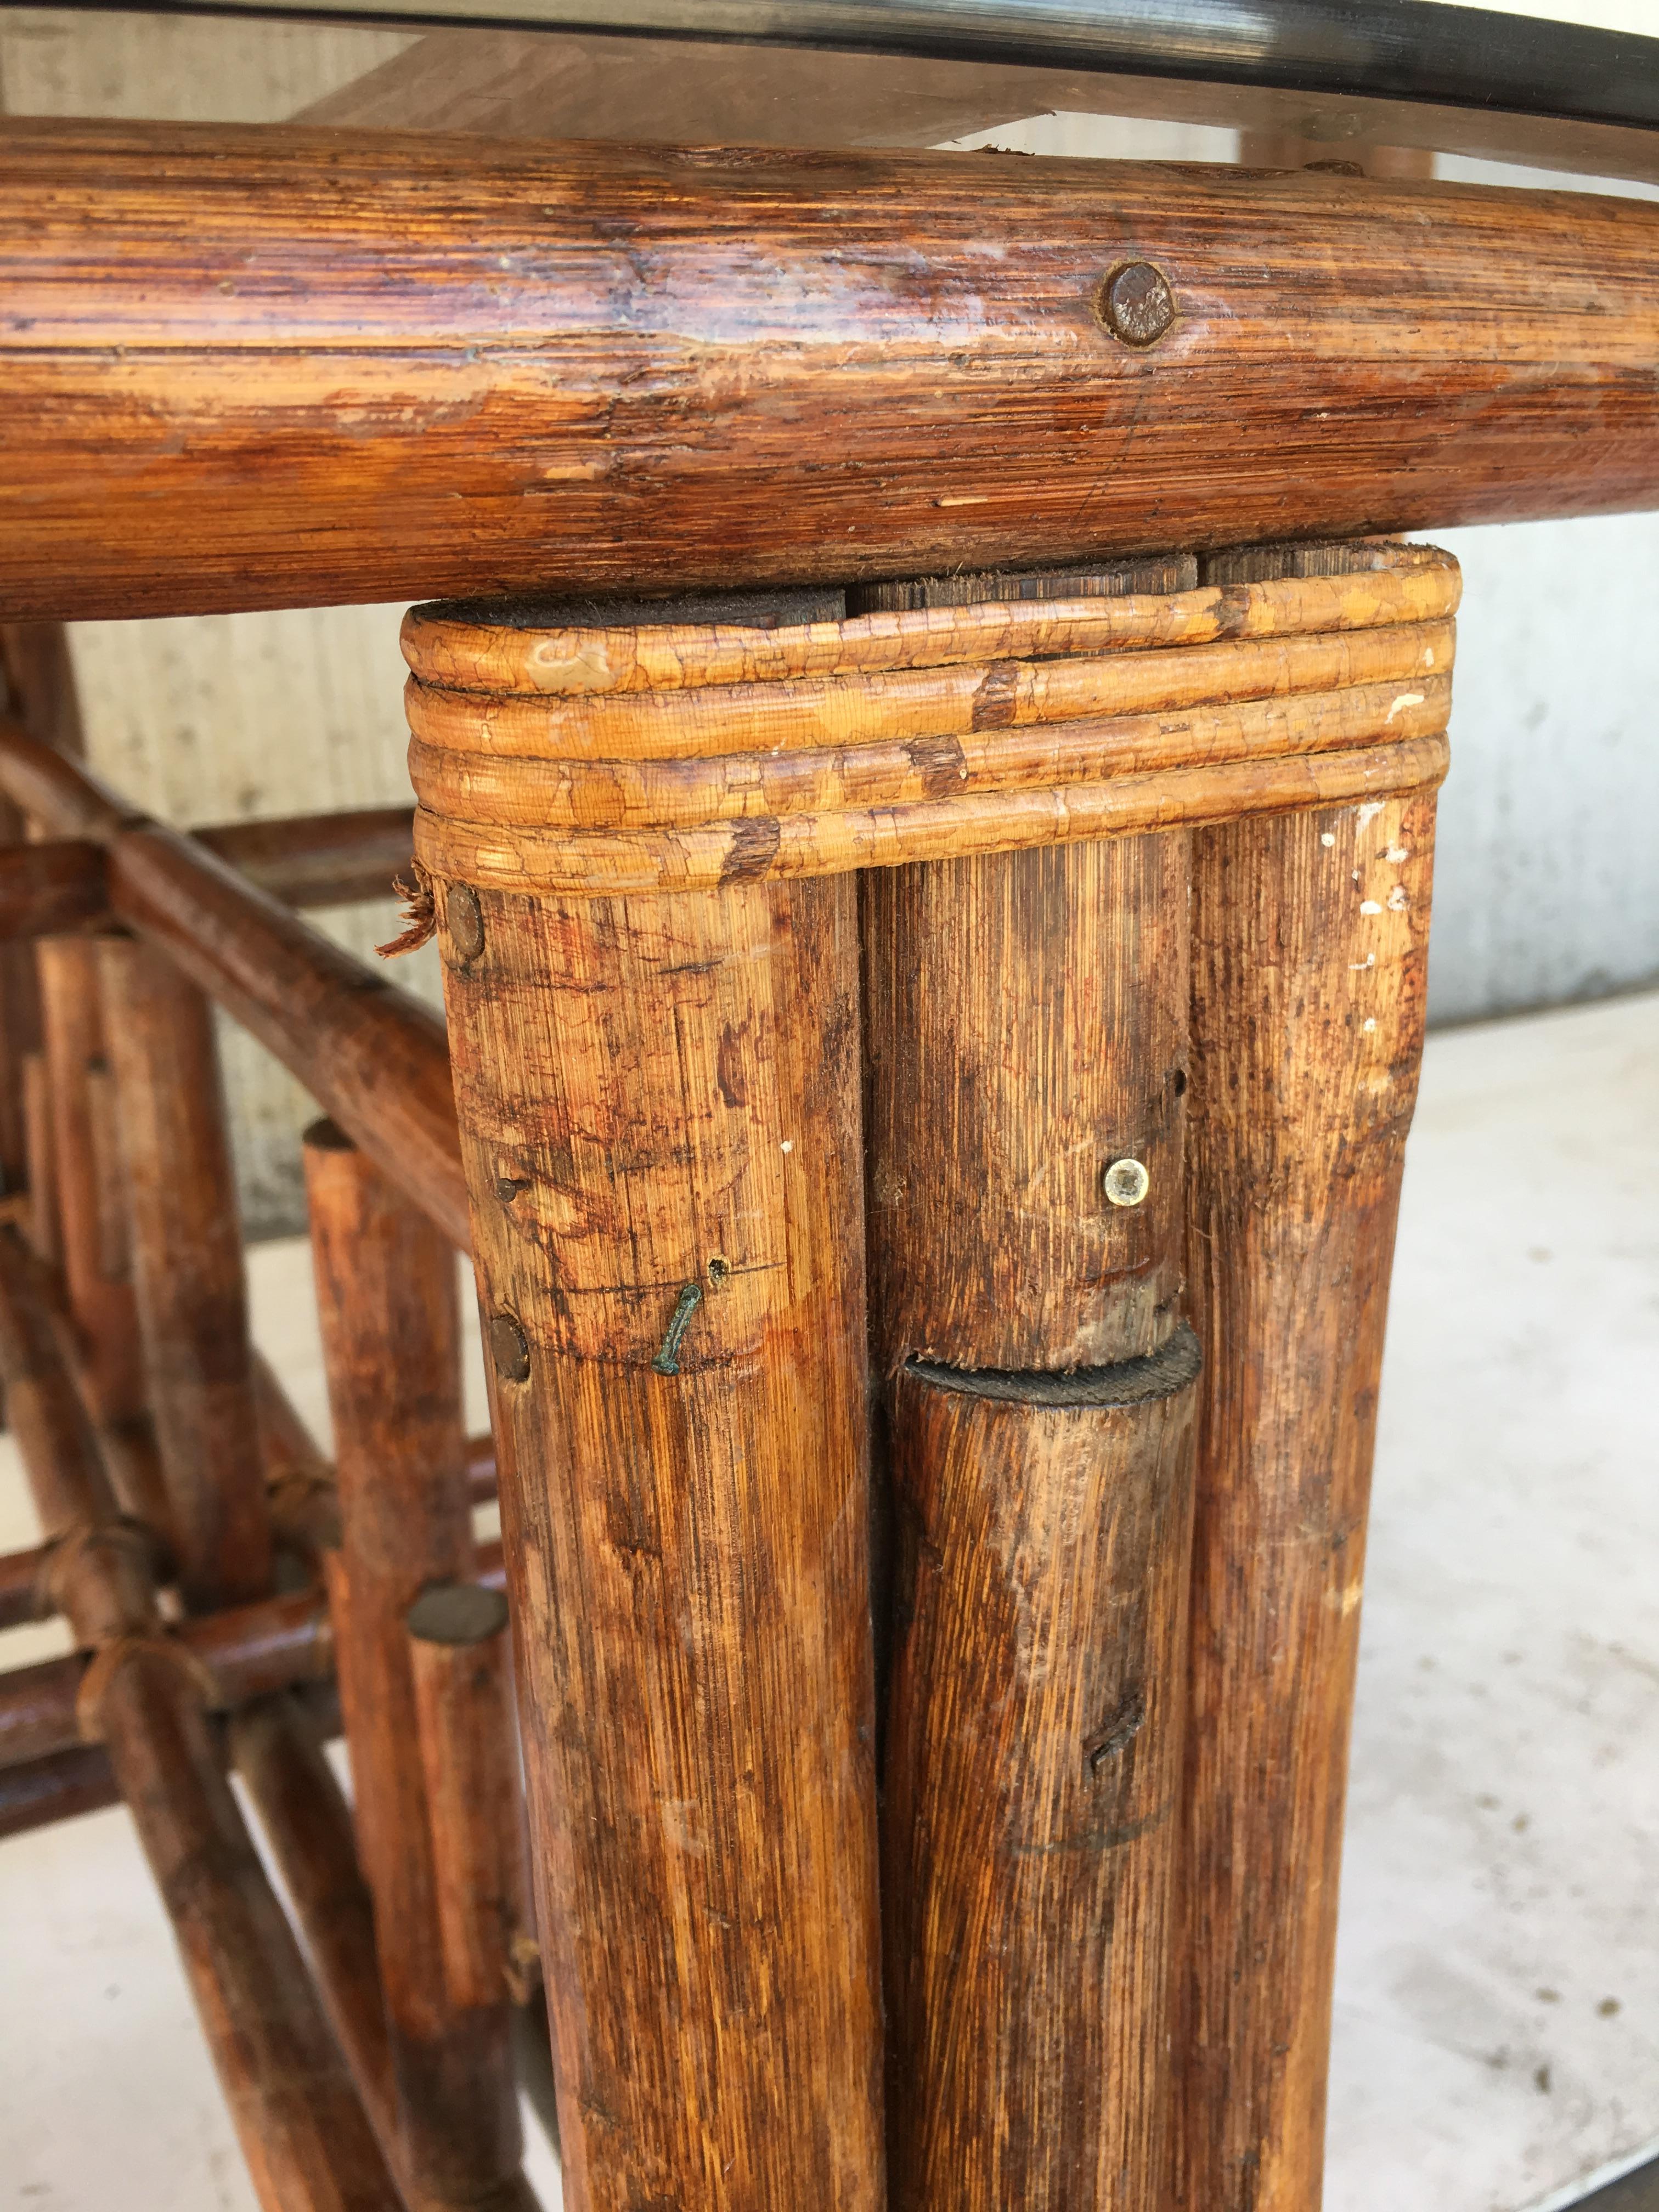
(660, 1113)
(1309, 940)
(386, 1300)
(39, 684)
(187, 1272)
(1027, 1019)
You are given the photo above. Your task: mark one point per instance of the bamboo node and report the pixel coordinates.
(106, 1664)
(64, 1554)
(420, 913)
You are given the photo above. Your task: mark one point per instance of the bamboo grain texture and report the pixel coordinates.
(467, 366)
(371, 1055)
(389, 1322)
(659, 1102)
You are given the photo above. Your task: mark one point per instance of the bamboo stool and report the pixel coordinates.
(978, 1017)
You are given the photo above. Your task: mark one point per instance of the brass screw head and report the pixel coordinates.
(509, 1347)
(1126, 1183)
(467, 930)
(1136, 303)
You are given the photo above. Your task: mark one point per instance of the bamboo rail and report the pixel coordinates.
(371, 1056)
(469, 367)
(241, 1654)
(46, 891)
(317, 859)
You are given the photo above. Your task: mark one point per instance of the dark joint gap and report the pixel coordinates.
(1161, 1374)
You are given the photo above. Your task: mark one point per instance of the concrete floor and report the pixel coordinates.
(1498, 2006)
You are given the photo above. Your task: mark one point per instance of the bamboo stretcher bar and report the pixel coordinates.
(48, 890)
(304, 861)
(317, 859)
(300, 1480)
(61, 1787)
(22, 1587)
(468, 366)
(308, 2146)
(371, 1056)
(243, 1653)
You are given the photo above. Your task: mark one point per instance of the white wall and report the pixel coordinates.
(1546, 875)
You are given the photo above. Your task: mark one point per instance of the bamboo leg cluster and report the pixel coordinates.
(1135, 856)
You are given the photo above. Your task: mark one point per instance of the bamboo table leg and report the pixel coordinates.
(187, 1272)
(1027, 1016)
(1310, 938)
(1309, 932)
(659, 1102)
(386, 1290)
(40, 679)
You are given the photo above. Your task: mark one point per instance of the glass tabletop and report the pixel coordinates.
(1386, 85)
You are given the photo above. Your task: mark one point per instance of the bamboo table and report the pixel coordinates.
(925, 781)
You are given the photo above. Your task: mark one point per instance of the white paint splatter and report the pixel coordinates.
(787, 1145)
(1328, 837)
(1370, 906)
(1369, 1023)
(1406, 699)
(1399, 899)
(1372, 806)
(1395, 854)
